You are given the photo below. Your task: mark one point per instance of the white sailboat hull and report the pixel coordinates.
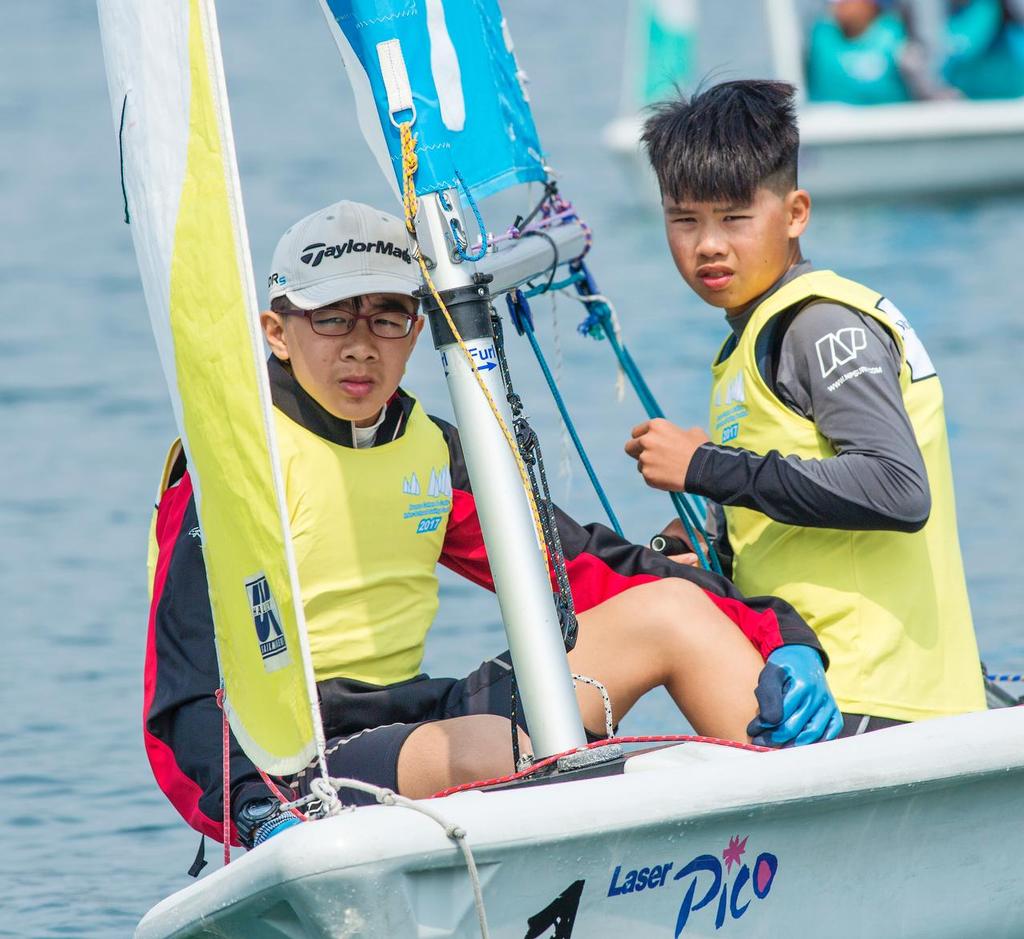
(913, 831)
(894, 150)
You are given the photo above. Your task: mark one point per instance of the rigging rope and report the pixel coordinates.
(529, 448)
(482, 250)
(325, 791)
(600, 319)
(599, 322)
(522, 319)
(410, 162)
(226, 775)
(610, 741)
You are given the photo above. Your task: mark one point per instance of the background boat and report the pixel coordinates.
(913, 149)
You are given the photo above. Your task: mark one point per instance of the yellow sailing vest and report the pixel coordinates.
(368, 526)
(890, 608)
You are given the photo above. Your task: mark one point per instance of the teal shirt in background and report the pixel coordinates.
(861, 70)
(985, 55)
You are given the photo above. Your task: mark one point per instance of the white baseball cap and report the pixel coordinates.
(345, 250)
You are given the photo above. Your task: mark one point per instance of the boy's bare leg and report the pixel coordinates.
(663, 633)
(455, 751)
(667, 633)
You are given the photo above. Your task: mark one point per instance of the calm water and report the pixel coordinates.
(87, 843)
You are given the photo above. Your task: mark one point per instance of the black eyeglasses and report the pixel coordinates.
(386, 324)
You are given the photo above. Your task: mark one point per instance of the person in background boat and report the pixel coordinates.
(862, 52)
(828, 448)
(362, 463)
(985, 48)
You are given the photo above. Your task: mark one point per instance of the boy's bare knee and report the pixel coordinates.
(456, 751)
(672, 600)
(484, 747)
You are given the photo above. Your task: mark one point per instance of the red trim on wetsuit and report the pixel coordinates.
(593, 580)
(463, 550)
(184, 793)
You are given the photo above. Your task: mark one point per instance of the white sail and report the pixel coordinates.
(182, 195)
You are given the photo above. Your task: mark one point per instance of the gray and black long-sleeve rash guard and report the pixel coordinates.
(876, 481)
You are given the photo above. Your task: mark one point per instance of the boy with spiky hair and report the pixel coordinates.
(828, 448)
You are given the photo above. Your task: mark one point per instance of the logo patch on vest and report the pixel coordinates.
(266, 617)
(432, 510)
(734, 394)
(440, 483)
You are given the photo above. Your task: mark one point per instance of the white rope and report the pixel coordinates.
(609, 720)
(564, 461)
(325, 790)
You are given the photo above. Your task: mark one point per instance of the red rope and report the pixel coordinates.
(547, 761)
(226, 773)
(281, 797)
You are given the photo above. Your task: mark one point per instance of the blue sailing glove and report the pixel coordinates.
(795, 705)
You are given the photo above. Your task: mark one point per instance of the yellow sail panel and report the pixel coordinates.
(228, 434)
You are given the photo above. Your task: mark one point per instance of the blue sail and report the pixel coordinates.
(452, 60)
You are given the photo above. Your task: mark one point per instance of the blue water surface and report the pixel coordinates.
(88, 842)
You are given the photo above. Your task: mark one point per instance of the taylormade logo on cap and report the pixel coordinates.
(345, 250)
(313, 254)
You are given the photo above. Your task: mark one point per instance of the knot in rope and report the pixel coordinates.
(327, 794)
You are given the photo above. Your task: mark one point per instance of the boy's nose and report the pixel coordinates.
(360, 343)
(711, 244)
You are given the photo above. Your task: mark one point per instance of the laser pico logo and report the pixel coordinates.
(314, 254)
(266, 618)
(709, 881)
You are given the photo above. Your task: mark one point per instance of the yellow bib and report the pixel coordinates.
(890, 608)
(368, 526)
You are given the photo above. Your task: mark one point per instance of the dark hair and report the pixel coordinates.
(283, 304)
(724, 143)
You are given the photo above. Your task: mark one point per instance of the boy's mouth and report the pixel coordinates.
(357, 386)
(714, 276)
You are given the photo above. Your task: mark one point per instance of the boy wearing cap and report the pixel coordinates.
(828, 450)
(359, 459)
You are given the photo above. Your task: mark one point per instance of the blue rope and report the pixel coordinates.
(557, 285)
(1005, 677)
(599, 321)
(479, 223)
(522, 319)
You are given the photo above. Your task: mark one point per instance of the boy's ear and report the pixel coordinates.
(417, 327)
(798, 212)
(273, 330)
